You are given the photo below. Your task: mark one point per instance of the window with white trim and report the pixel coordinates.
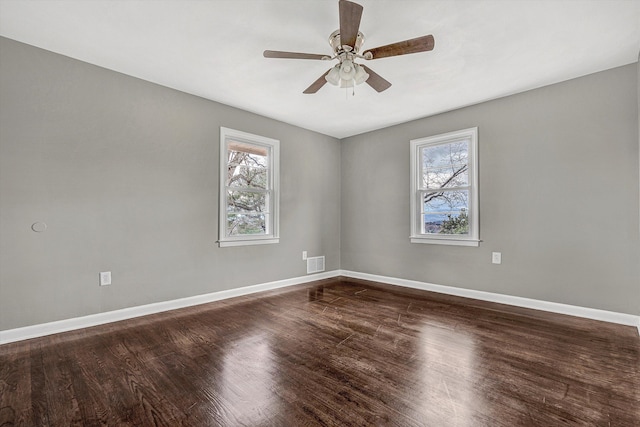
(249, 178)
(444, 189)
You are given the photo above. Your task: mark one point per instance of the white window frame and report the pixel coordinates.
(417, 236)
(273, 223)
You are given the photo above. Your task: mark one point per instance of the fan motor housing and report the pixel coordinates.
(334, 42)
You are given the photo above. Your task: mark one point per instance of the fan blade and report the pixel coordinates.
(419, 44)
(292, 55)
(375, 81)
(315, 86)
(350, 15)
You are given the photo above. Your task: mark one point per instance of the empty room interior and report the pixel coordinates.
(319, 213)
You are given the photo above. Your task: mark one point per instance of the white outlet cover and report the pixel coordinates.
(105, 278)
(496, 257)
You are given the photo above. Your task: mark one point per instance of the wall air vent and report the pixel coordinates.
(315, 264)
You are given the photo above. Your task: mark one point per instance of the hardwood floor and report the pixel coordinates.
(338, 352)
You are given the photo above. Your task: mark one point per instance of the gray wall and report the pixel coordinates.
(558, 196)
(124, 172)
(125, 175)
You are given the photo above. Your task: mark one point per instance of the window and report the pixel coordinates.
(248, 189)
(444, 189)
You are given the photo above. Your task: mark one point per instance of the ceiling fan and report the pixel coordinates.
(346, 43)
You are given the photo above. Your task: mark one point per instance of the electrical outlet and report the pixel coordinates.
(304, 255)
(496, 257)
(105, 278)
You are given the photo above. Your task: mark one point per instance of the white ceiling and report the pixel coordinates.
(213, 49)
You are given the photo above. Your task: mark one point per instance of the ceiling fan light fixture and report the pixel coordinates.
(333, 76)
(347, 70)
(361, 75)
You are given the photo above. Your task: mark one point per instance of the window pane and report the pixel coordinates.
(445, 212)
(247, 165)
(243, 224)
(453, 176)
(445, 165)
(449, 223)
(444, 155)
(246, 201)
(248, 154)
(244, 176)
(445, 201)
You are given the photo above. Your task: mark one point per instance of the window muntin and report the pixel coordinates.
(249, 189)
(444, 189)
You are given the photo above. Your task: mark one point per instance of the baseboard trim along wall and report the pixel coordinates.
(40, 330)
(554, 307)
(34, 331)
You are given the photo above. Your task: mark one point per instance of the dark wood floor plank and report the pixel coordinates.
(337, 352)
(39, 410)
(15, 389)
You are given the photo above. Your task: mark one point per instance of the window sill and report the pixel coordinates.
(247, 242)
(451, 242)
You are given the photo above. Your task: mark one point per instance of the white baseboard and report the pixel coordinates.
(554, 307)
(34, 331)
